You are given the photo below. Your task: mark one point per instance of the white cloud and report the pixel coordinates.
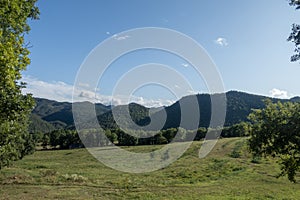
(221, 41)
(152, 102)
(185, 65)
(276, 93)
(56, 90)
(123, 37)
(84, 85)
(87, 95)
(61, 91)
(107, 33)
(192, 92)
(177, 86)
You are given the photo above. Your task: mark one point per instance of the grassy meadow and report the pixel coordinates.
(227, 173)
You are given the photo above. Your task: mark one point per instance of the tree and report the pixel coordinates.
(237, 130)
(295, 34)
(169, 134)
(45, 141)
(69, 139)
(111, 136)
(201, 132)
(126, 139)
(14, 107)
(276, 132)
(160, 139)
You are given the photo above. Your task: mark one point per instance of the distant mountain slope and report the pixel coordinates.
(52, 114)
(239, 106)
(37, 124)
(138, 113)
(295, 99)
(59, 114)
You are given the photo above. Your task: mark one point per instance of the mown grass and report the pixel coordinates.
(227, 173)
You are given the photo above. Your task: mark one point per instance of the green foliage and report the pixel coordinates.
(39, 125)
(160, 139)
(98, 137)
(64, 139)
(15, 141)
(138, 114)
(201, 132)
(236, 130)
(112, 137)
(295, 38)
(45, 141)
(295, 34)
(126, 139)
(276, 133)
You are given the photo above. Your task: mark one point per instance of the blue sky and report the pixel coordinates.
(246, 40)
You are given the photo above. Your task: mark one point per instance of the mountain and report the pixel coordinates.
(37, 124)
(295, 99)
(59, 114)
(239, 106)
(49, 114)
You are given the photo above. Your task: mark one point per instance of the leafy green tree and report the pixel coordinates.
(64, 139)
(112, 137)
(295, 34)
(69, 139)
(14, 107)
(54, 137)
(237, 130)
(169, 134)
(126, 139)
(276, 132)
(160, 139)
(201, 132)
(45, 141)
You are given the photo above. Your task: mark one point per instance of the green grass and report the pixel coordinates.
(227, 173)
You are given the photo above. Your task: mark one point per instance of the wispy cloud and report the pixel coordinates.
(84, 85)
(122, 37)
(61, 91)
(191, 92)
(276, 93)
(221, 41)
(55, 90)
(177, 86)
(185, 65)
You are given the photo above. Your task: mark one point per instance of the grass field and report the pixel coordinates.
(227, 173)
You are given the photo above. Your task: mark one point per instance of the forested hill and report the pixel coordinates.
(48, 114)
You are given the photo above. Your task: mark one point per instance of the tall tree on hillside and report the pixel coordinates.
(276, 133)
(295, 34)
(14, 107)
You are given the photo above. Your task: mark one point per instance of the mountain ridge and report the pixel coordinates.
(51, 114)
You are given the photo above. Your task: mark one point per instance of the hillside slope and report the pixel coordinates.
(239, 105)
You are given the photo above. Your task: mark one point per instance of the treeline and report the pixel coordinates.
(66, 139)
